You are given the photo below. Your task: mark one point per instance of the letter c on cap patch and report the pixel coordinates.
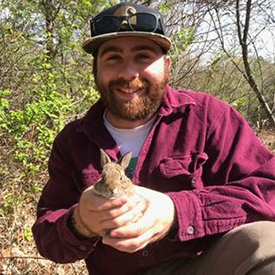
(126, 11)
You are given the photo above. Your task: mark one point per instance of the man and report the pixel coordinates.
(204, 198)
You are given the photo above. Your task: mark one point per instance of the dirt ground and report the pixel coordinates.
(268, 138)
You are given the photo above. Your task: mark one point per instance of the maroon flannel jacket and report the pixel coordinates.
(200, 152)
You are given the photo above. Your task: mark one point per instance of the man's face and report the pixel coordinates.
(131, 77)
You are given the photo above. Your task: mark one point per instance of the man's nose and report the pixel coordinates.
(129, 71)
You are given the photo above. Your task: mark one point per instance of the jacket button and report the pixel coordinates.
(190, 230)
(83, 248)
(193, 182)
(145, 253)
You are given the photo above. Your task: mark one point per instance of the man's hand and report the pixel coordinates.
(96, 216)
(156, 221)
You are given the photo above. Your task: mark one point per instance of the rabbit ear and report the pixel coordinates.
(125, 160)
(104, 158)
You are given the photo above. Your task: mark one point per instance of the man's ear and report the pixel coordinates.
(168, 61)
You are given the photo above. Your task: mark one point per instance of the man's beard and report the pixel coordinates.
(138, 108)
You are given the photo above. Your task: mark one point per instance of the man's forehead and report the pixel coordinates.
(124, 44)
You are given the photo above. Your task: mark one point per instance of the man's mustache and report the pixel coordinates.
(129, 85)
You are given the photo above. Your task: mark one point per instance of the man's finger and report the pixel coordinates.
(123, 218)
(134, 229)
(129, 245)
(94, 202)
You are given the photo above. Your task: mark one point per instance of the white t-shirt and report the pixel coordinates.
(129, 140)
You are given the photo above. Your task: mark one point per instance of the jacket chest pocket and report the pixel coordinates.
(184, 171)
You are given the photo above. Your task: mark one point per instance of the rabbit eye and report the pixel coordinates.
(122, 175)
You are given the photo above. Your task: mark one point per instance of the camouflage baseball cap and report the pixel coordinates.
(127, 19)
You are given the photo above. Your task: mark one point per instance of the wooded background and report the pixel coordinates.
(222, 47)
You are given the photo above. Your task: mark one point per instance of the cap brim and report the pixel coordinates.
(91, 45)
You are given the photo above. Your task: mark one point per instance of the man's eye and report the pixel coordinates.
(113, 57)
(144, 56)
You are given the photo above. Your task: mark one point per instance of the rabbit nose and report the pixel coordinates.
(114, 191)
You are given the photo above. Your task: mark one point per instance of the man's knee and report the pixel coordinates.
(248, 249)
(257, 230)
(259, 237)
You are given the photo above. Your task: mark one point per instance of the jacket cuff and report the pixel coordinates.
(82, 245)
(188, 214)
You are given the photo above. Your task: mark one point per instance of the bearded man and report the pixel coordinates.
(204, 184)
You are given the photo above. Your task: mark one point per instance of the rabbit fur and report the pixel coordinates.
(113, 181)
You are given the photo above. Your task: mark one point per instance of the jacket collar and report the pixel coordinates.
(92, 124)
(174, 101)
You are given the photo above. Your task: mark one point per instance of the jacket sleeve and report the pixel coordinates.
(238, 179)
(51, 231)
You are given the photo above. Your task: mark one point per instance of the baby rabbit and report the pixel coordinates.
(113, 181)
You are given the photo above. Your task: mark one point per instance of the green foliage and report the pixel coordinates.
(34, 126)
(8, 203)
(4, 102)
(164, 8)
(28, 233)
(183, 38)
(41, 93)
(240, 103)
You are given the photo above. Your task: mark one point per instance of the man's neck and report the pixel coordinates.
(124, 123)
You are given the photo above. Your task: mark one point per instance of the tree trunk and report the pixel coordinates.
(244, 45)
(50, 12)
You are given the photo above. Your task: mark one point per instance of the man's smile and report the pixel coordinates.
(129, 94)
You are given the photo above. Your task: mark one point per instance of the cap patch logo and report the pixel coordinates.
(125, 11)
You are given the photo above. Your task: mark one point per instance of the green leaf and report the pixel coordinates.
(28, 233)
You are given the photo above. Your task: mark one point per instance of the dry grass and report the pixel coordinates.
(268, 138)
(18, 254)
